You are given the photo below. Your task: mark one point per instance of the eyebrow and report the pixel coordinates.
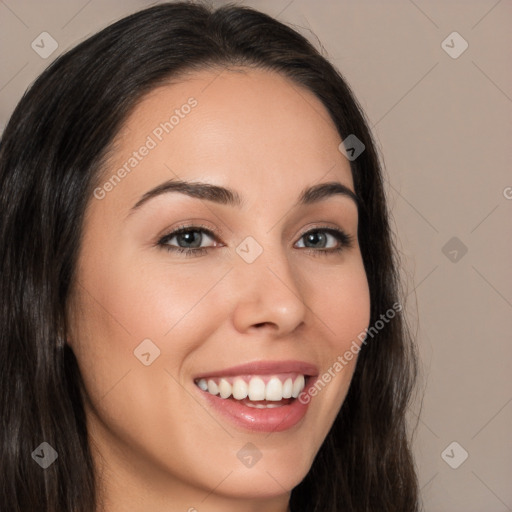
(229, 197)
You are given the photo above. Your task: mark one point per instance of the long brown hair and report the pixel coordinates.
(52, 152)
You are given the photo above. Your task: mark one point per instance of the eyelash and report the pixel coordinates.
(345, 240)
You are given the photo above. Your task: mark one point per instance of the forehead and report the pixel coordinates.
(253, 128)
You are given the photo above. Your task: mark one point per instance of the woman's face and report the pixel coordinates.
(260, 292)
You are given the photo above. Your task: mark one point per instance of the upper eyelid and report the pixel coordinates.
(184, 229)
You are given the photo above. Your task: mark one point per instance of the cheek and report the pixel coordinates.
(124, 304)
(145, 296)
(127, 300)
(340, 299)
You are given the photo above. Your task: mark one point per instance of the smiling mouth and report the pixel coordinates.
(257, 391)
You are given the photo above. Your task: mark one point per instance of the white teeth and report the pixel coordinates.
(212, 387)
(287, 388)
(274, 390)
(256, 389)
(240, 389)
(224, 388)
(262, 406)
(298, 386)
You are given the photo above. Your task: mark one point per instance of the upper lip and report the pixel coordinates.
(264, 368)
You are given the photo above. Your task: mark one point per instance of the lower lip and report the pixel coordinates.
(275, 419)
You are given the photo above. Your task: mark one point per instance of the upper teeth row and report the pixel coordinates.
(255, 389)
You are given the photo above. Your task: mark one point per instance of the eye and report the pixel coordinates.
(196, 240)
(189, 240)
(325, 240)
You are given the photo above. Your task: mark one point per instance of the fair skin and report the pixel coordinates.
(157, 443)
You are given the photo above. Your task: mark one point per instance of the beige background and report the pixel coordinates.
(444, 127)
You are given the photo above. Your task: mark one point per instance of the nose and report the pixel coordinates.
(268, 296)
